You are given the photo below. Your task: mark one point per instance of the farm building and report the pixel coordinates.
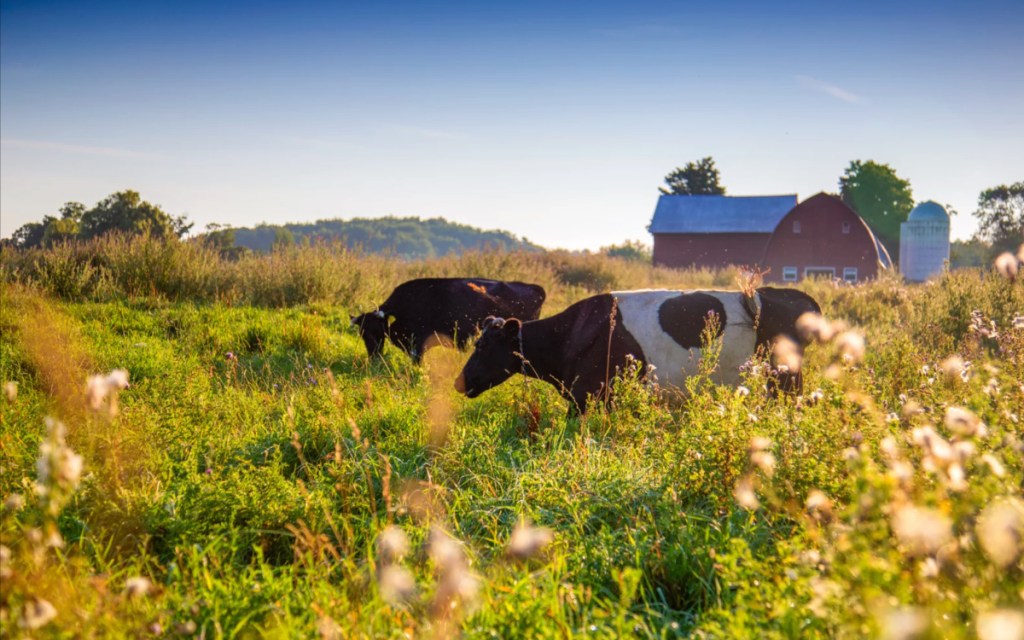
(714, 231)
(924, 242)
(823, 237)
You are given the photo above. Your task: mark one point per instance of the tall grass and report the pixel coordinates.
(259, 462)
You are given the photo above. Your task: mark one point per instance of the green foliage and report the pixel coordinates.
(969, 253)
(632, 250)
(1000, 215)
(696, 178)
(258, 455)
(126, 212)
(410, 238)
(879, 196)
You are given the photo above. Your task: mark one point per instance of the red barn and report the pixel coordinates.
(823, 237)
(715, 231)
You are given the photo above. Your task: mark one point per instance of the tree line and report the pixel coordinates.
(884, 200)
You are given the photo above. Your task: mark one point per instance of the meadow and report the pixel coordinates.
(258, 476)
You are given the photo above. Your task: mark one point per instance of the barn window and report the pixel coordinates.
(819, 272)
(789, 274)
(846, 229)
(850, 274)
(796, 226)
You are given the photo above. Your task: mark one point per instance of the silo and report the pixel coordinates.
(924, 242)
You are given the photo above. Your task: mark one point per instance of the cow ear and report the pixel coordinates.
(512, 327)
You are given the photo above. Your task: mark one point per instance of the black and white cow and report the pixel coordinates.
(420, 314)
(578, 349)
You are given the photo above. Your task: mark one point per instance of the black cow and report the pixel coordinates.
(578, 349)
(420, 314)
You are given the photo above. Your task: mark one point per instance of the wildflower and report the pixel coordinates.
(929, 568)
(921, 530)
(851, 346)
(786, 353)
(1006, 265)
(957, 477)
(230, 357)
(964, 450)
(759, 443)
(57, 463)
(5, 559)
(765, 461)
(37, 613)
(392, 545)
(892, 416)
(446, 552)
(905, 624)
(952, 366)
(14, 503)
(818, 504)
(888, 447)
(527, 541)
(1018, 322)
(397, 585)
(1000, 529)
(912, 408)
(964, 422)
(1001, 624)
(816, 396)
(994, 465)
(901, 471)
(812, 326)
(744, 494)
(11, 390)
(137, 587)
(742, 391)
(99, 388)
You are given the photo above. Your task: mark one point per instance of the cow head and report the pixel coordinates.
(373, 329)
(495, 358)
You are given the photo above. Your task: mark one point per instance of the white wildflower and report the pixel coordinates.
(786, 355)
(760, 443)
(100, 388)
(888, 447)
(527, 541)
(952, 366)
(1001, 624)
(816, 396)
(742, 391)
(392, 545)
(812, 326)
(994, 465)
(763, 460)
(1006, 264)
(921, 530)
(37, 613)
(962, 421)
(397, 585)
(851, 346)
(744, 494)
(5, 560)
(929, 568)
(904, 624)
(14, 503)
(445, 551)
(11, 390)
(957, 477)
(137, 586)
(1000, 530)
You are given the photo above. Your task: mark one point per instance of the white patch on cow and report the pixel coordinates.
(673, 363)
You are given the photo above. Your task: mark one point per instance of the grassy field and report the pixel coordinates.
(259, 477)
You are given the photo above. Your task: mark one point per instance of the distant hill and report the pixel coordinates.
(411, 238)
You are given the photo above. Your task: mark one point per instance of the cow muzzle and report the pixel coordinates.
(460, 384)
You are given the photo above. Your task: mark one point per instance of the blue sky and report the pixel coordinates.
(556, 121)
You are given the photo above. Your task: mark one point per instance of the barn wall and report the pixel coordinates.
(710, 250)
(821, 241)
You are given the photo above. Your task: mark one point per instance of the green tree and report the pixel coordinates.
(30, 235)
(696, 178)
(879, 196)
(631, 250)
(1000, 216)
(127, 212)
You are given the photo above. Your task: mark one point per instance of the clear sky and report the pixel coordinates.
(556, 121)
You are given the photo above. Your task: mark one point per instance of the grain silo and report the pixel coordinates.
(924, 242)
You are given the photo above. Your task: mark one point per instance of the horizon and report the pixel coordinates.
(554, 123)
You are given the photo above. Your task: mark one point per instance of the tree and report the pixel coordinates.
(1000, 217)
(631, 250)
(879, 196)
(127, 212)
(696, 178)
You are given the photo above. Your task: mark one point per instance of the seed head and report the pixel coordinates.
(137, 587)
(921, 530)
(527, 541)
(1000, 530)
(392, 545)
(37, 613)
(397, 585)
(851, 346)
(744, 494)
(11, 390)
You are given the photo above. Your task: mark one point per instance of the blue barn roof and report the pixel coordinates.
(720, 214)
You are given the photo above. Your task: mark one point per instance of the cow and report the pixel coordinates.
(420, 314)
(578, 349)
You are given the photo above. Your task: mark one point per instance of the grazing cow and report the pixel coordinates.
(578, 349)
(420, 314)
